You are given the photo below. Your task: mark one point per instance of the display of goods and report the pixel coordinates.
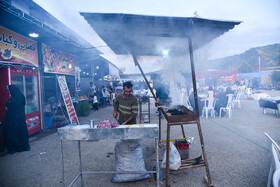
(107, 124)
(81, 97)
(115, 124)
(104, 124)
(29, 123)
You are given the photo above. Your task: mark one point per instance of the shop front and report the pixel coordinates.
(19, 66)
(57, 63)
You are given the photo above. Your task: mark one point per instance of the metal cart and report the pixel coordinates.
(85, 133)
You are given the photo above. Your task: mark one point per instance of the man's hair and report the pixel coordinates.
(91, 83)
(127, 84)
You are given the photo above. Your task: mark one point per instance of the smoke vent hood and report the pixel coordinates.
(150, 35)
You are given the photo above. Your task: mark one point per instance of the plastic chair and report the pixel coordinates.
(275, 162)
(249, 91)
(276, 178)
(236, 100)
(209, 105)
(188, 104)
(228, 107)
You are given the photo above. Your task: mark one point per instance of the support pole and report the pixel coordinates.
(80, 161)
(197, 112)
(137, 64)
(62, 163)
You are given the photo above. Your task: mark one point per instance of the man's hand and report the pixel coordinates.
(115, 114)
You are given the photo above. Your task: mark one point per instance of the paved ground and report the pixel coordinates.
(236, 148)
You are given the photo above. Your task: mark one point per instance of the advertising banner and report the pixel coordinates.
(15, 48)
(67, 99)
(227, 76)
(77, 79)
(56, 61)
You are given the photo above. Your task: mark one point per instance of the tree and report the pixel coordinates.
(275, 76)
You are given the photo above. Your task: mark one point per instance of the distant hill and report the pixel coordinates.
(269, 57)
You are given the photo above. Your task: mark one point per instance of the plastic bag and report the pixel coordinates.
(174, 158)
(129, 157)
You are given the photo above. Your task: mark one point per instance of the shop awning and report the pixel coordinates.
(150, 35)
(53, 32)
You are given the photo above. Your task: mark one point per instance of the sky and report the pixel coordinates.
(260, 23)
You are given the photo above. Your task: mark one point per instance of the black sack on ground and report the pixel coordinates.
(129, 157)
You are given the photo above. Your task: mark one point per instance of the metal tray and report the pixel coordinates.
(84, 132)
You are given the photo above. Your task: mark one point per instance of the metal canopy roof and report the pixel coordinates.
(150, 35)
(51, 31)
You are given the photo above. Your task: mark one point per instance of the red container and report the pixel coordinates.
(183, 148)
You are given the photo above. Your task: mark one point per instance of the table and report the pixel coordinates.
(271, 103)
(85, 133)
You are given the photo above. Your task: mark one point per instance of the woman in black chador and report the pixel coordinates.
(15, 129)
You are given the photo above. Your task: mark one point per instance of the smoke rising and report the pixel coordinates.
(176, 76)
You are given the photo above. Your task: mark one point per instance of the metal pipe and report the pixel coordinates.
(80, 160)
(193, 77)
(197, 112)
(62, 162)
(146, 80)
(158, 179)
(167, 156)
(159, 124)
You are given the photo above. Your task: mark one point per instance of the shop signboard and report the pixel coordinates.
(56, 61)
(67, 99)
(17, 49)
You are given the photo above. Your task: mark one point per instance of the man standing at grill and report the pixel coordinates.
(127, 105)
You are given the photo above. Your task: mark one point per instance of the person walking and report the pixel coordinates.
(91, 92)
(95, 102)
(15, 128)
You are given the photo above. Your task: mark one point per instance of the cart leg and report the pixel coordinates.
(80, 159)
(159, 125)
(158, 179)
(140, 107)
(167, 156)
(62, 162)
(183, 131)
(209, 181)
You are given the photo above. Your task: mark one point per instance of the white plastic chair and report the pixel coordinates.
(209, 105)
(236, 100)
(249, 91)
(276, 178)
(228, 107)
(275, 160)
(188, 104)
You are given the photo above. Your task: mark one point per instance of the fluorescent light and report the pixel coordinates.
(34, 35)
(97, 67)
(165, 52)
